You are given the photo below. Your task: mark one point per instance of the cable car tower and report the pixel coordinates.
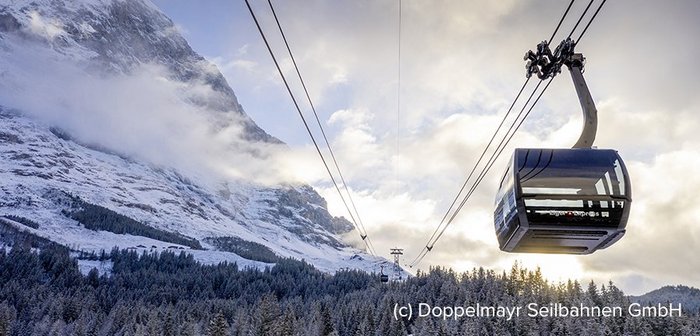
(397, 253)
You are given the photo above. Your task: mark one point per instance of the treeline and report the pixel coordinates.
(11, 236)
(95, 217)
(24, 221)
(246, 249)
(43, 293)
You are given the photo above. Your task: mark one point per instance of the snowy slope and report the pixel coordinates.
(42, 166)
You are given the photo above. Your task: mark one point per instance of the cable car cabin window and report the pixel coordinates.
(571, 187)
(506, 204)
(506, 182)
(570, 172)
(620, 175)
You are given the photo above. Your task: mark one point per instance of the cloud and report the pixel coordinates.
(177, 30)
(235, 64)
(45, 27)
(143, 114)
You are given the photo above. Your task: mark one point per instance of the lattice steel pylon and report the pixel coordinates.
(397, 253)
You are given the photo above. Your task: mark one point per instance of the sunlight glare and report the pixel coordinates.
(554, 267)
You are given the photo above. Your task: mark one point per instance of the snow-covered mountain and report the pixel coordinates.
(688, 297)
(84, 189)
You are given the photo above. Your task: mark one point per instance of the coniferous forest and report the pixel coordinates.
(42, 292)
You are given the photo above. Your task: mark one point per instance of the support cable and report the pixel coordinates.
(438, 233)
(499, 149)
(363, 231)
(560, 21)
(580, 18)
(363, 235)
(398, 104)
(464, 185)
(497, 154)
(590, 21)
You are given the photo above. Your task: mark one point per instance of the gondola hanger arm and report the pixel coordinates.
(545, 64)
(590, 113)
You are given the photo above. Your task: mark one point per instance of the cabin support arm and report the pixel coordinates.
(590, 113)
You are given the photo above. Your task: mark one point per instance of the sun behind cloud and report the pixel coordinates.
(554, 267)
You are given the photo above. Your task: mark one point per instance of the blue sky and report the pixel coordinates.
(461, 66)
(223, 31)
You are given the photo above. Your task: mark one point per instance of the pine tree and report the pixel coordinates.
(218, 326)
(287, 323)
(7, 317)
(366, 325)
(153, 323)
(57, 328)
(241, 325)
(326, 323)
(71, 311)
(188, 328)
(93, 278)
(593, 295)
(169, 323)
(267, 313)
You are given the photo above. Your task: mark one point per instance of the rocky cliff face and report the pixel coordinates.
(117, 37)
(43, 167)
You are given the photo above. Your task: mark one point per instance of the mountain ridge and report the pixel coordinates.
(688, 297)
(48, 160)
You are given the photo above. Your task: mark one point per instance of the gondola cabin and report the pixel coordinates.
(384, 278)
(572, 201)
